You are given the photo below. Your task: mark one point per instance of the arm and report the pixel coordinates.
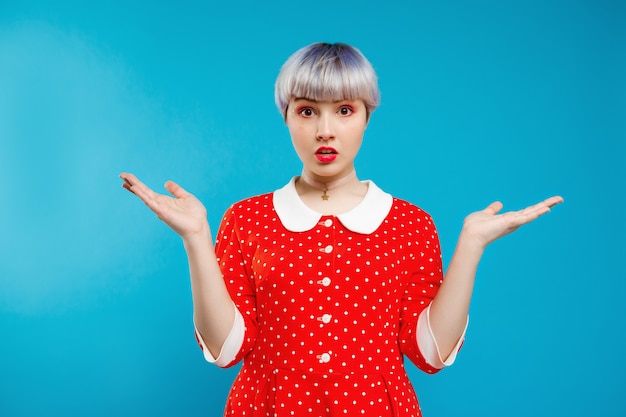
(450, 307)
(213, 308)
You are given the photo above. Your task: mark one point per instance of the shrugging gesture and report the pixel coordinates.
(308, 327)
(449, 309)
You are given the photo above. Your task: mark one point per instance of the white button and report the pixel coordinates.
(325, 281)
(328, 249)
(326, 318)
(328, 223)
(324, 358)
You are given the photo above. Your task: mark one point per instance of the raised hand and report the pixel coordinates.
(487, 225)
(212, 306)
(449, 309)
(183, 212)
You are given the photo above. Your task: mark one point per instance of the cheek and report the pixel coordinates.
(298, 139)
(299, 131)
(295, 134)
(355, 135)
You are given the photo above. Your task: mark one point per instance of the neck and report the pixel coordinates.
(330, 185)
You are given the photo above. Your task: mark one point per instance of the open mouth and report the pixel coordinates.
(326, 151)
(326, 154)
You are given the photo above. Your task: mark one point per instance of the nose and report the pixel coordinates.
(325, 128)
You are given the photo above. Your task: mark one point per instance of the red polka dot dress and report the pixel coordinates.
(327, 306)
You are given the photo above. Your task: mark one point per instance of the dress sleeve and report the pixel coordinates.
(428, 344)
(231, 345)
(422, 287)
(235, 267)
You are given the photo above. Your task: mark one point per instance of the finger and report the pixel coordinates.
(127, 186)
(494, 207)
(127, 181)
(533, 212)
(553, 201)
(132, 184)
(542, 207)
(524, 216)
(175, 189)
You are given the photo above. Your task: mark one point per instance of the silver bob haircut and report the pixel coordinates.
(327, 72)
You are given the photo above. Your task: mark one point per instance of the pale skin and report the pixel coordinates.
(340, 126)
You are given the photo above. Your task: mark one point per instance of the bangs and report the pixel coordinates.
(328, 79)
(324, 72)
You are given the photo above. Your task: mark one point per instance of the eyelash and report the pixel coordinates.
(306, 109)
(349, 109)
(340, 111)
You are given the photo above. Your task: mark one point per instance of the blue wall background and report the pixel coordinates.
(482, 100)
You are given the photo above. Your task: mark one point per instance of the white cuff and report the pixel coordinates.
(231, 345)
(428, 345)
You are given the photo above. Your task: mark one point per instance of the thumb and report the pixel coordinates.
(175, 189)
(494, 207)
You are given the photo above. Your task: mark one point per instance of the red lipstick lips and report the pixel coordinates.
(326, 154)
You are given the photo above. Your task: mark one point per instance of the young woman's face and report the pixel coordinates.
(327, 135)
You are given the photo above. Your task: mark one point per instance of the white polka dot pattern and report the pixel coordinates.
(329, 313)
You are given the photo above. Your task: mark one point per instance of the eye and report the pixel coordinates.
(345, 111)
(306, 112)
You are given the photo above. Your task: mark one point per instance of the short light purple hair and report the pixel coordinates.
(327, 72)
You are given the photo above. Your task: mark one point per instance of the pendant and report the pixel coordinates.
(325, 196)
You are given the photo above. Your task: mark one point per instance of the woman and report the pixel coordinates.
(323, 286)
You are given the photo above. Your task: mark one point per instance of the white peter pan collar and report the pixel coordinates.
(365, 218)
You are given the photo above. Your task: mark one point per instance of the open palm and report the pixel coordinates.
(183, 212)
(487, 225)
